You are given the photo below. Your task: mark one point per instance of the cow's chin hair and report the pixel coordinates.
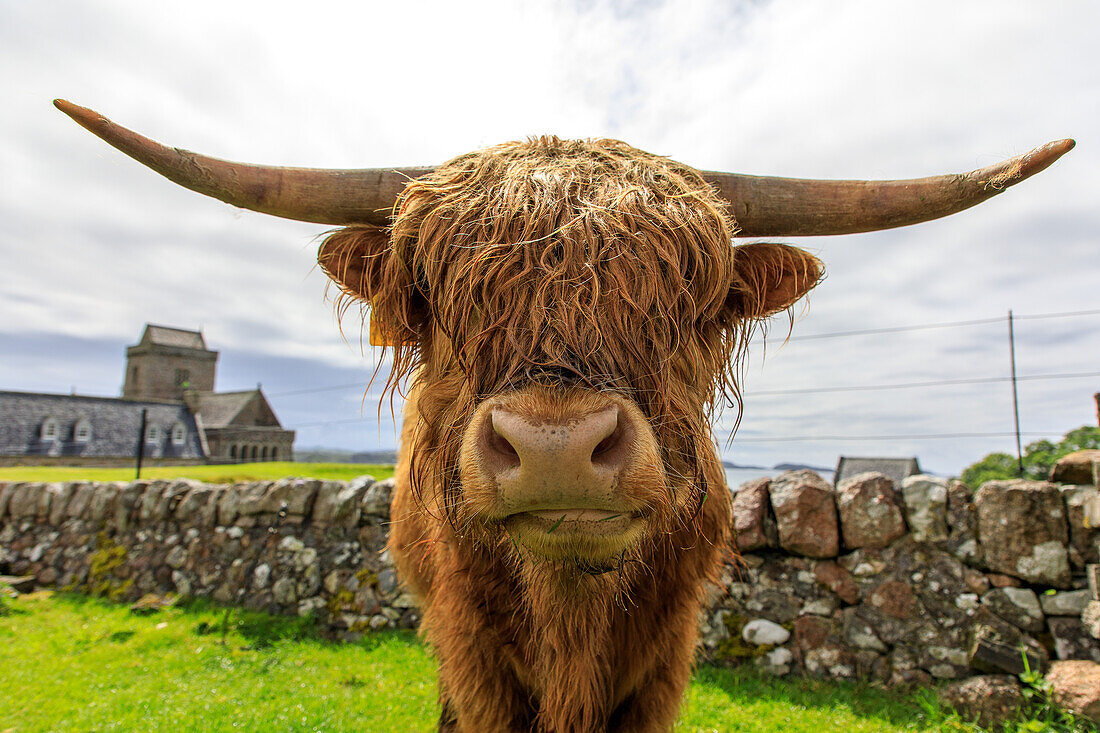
(592, 554)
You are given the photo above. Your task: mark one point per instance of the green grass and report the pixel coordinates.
(69, 663)
(73, 663)
(223, 474)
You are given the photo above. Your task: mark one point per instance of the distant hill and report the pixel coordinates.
(332, 455)
(731, 464)
(800, 467)
(384, 457)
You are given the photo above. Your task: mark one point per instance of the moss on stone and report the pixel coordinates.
(102, 578)
(343, 600)
(734, 648)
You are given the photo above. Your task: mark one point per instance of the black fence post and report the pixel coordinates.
(1015, 399)
(141, 442)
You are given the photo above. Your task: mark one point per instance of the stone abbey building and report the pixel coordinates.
(170, 376)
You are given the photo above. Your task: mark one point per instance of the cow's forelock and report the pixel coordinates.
(581, 262)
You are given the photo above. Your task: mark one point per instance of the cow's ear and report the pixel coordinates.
(770, 277)
(362, 262)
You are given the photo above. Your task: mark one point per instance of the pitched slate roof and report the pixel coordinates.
(178, 337)
(114, 426)
(219, 409)
(896, 469)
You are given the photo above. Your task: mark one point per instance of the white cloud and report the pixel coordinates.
(93, 245)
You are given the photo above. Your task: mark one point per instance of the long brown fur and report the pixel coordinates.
(537, 273)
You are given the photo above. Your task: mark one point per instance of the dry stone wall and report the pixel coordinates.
(906, 584)
(294, 546)
(871, 580)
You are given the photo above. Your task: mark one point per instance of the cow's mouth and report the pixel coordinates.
(563, 522)
(588, 536)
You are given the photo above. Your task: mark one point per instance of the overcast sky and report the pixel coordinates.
(93, 245)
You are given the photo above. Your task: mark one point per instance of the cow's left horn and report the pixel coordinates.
(319, 195)
(768, 207)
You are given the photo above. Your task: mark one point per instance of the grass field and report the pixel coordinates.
(73, 663)
(223, 474)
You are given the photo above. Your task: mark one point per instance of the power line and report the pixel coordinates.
(924, 436)
(311, 390)
(947, 324)
(910, 385)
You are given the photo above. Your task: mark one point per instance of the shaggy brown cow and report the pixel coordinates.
(568, 312)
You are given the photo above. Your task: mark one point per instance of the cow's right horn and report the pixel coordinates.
(319, 195)
(769, 207)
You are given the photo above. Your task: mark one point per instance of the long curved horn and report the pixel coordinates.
(318, 195)
(793, 207)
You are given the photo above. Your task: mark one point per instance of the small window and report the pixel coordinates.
(152, 434)
(183, 378)
(49, 429)
(179, 434)
(82, 433)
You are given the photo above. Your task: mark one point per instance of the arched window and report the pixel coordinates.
(274, 452)
(253, 452)
(82, 433)
(50, 429)
(233, 452)
(179, 434)
(263, 453)
(152, 434)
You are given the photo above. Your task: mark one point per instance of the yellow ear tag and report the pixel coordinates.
(380, 335)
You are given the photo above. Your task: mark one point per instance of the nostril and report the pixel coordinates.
(500, 452)
(501, 445)
(607, 444)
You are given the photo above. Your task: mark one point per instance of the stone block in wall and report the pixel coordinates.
(42, 505)
(1090, 619)
(925, 500)
(23, 501)
(170, 498)
(78, 505)
(291, 500)
(838, 579)
(128, 505)
(198, 507)
(753, 522)
(1075, 686)
(820, 649)
(991, 700)
(147, 505)
(805, 514)
(962, 524)
(869, 507)
(253, 500)
(377, 498)
(6, 488)
(1064, 603)
(102, 505)
(1084, 536)
(60, 494)
(1018, 606)
(1076, 468)
(229, 504)
(996, 646)
(1023, 531)
(1070, 639)
(339, 504)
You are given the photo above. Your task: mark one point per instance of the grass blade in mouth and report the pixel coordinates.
(556, 524)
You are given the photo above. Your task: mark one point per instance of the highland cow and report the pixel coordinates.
(568, 315)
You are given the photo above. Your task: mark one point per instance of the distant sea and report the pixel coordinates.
(737, 476)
